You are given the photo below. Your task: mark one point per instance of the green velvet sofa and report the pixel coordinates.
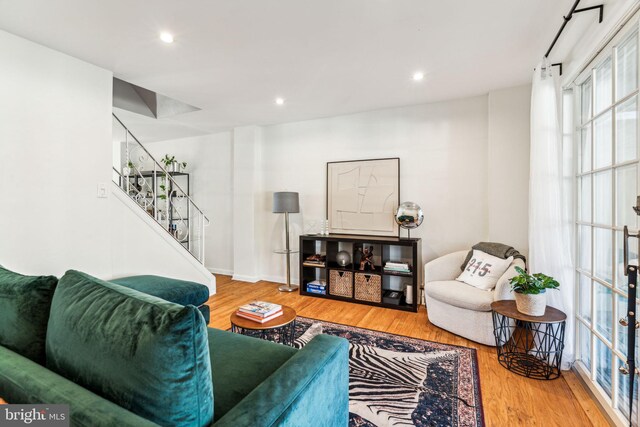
(120, 357)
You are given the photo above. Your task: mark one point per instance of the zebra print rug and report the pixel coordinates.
(400, 381)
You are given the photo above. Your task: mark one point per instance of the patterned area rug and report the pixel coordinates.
(401, 381)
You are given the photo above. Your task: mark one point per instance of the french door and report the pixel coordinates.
(607, 182)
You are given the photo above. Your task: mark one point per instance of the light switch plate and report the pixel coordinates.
(102, 190)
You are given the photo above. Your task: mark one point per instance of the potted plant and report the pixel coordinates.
(530, 291)
(171, 164)
(168, 162)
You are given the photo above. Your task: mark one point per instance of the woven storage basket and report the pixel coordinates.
(368, 287)
(341, 283)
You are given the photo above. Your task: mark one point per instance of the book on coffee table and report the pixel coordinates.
(258, 319)
(260, 308)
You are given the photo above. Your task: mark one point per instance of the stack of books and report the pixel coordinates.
(317, 287)
(315, 260)
(260, 311)
(397, 267)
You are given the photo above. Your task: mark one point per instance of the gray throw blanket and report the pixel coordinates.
(499, 250)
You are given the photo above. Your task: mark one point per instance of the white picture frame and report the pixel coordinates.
(363, 197)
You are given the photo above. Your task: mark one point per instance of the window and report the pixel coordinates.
(607, 186)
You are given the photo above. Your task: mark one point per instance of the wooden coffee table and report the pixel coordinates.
(284, 327)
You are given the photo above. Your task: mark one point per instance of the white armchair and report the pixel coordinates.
(461, 308)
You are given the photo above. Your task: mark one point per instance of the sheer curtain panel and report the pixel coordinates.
(549, 234)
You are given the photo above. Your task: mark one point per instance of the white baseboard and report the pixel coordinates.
(243, 278)
(279, 279)
(223, 271)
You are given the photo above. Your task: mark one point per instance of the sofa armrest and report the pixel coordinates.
(446, 267)
(503, 288)
(26, 382)
(311, 388)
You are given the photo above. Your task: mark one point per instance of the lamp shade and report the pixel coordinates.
(285, 201)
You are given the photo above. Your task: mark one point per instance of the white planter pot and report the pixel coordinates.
(532, 305)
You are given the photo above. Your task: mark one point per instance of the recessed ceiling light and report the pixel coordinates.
(279, 101)
(418, 75)
(166, 37)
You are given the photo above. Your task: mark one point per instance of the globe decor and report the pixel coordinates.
(409, 216)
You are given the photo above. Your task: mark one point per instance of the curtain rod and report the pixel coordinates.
(566, 20)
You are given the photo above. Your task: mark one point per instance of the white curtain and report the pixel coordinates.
(549, 235)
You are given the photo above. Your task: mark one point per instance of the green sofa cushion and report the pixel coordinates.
(309, 389)
(143, 353)
(179, 291)
(25, 382)
(24, 312)
(239, 364)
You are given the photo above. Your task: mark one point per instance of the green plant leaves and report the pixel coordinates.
(532, 284)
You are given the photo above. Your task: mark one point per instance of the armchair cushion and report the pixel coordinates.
(503, 288)
(483, 270)
(460, 294)
(446, 267)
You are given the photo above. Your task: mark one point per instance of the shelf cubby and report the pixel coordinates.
(384, 249)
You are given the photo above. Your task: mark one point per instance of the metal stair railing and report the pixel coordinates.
(156, 190)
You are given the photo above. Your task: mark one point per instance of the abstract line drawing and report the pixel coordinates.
(363, 196)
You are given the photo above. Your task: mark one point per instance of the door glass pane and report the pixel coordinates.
(602, 141)
(627, 66)
(585, 345)
(586, 100)
(584, 310)
(603, 366)
(602, 198)
(627, 130)
(626, 193)
(584, 213)
(603, 251)
(584, 247)
(603, 315)
(623, 392)
(585, 149)
(603, 86)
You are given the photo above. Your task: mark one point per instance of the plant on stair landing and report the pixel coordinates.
(172, 163)
(530, 291)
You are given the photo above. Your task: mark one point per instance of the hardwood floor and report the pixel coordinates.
(508, 399)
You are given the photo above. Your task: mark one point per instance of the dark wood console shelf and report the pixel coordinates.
(385, 249)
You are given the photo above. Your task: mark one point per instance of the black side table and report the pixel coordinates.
(530, 346)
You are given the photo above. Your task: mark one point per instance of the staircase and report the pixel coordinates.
(155, 189)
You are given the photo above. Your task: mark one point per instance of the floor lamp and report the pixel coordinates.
(286, 202)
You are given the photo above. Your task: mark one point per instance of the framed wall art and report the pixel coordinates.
(363, 196)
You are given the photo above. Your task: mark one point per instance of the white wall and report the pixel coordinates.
(209, 159)
(247, 206)
(55, 138)
(508, 166)
(443, 167)
(466, 162)
(139, 245)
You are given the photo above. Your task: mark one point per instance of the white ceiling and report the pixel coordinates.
(325, 57)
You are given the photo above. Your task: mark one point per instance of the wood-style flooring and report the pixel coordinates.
(508, 399)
